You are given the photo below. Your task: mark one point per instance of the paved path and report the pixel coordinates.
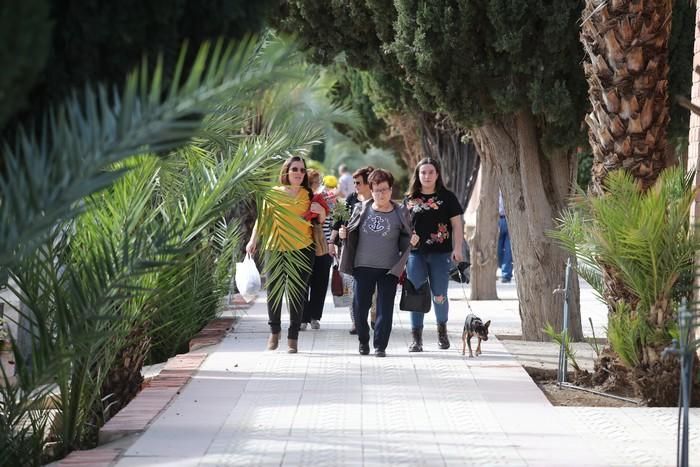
(330, 406)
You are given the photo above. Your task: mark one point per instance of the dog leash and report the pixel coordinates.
(464, 292)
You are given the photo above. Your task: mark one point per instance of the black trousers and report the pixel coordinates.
(366, 281)
(279, 284)
(318, 287)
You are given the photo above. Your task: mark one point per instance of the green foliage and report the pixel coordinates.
(641, 239)
(351, 90)
(481, 60)
(583, 171)
(625, 334)
(560, 337)
(86, 135)
(680, 60)
(139, 241)
(60, 45)
(25, 30)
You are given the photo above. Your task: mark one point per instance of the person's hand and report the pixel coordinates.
(317, 208)
(343, 232)
(331, 249)
(251, 247)
(457, 255)
(415, 239)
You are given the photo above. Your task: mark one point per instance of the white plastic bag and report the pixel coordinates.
(345, 300)
(247, 279)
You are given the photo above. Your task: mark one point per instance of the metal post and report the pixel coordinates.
(685, 324)
(561, 377)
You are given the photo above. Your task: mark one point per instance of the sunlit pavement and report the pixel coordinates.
(327, 405)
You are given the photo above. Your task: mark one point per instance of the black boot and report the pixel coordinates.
(417, 344)
(443, 341)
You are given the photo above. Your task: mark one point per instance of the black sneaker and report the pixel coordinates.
(364, 348)
(379, 353)
(353, 331)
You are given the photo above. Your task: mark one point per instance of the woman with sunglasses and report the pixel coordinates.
(290, 243)
(436, 217)
(375, 252)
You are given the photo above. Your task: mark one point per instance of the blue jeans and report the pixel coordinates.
(366, 280)
(505, 256)
(435, 268)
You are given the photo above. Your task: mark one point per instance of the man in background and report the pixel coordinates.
(345, 182)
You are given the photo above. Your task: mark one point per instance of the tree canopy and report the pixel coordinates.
(59, 45)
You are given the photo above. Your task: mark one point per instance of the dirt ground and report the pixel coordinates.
(540, 361)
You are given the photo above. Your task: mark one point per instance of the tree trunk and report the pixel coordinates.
(535, 187)
(405, 138)
(626, 44)
(483, 237)
(123, 381)
(445, 142)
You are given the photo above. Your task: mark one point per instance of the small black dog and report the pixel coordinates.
(474, 326)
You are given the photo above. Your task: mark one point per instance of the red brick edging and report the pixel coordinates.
(156, 396)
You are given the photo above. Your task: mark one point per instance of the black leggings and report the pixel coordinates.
(300, 261)
(318, 287)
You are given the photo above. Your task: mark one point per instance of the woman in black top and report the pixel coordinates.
(436, 217)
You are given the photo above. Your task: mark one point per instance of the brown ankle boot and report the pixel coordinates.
(273, 341)
(417, 344)
(292, 344)
(443, 341)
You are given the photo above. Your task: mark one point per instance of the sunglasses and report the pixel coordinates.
(297, 169)
(358, 183)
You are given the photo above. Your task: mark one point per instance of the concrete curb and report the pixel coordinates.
(150, 402)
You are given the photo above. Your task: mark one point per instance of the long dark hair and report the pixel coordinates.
(284, 174)
(415, 186)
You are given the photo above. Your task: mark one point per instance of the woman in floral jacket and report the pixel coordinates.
(436, 217)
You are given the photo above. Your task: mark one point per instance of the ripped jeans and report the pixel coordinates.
(435, 268)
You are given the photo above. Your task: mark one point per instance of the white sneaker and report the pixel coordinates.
(303, 326)
(315, 324)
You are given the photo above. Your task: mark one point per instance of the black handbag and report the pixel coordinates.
(412, 299)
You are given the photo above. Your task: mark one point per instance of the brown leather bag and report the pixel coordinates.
(320, 242)
(337, 288)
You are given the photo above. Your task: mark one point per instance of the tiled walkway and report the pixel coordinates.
(329, 406)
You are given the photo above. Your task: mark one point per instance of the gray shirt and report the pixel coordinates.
(378, 242)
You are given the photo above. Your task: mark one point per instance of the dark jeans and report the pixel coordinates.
(318, 286)
(300, 261)
(366, 279)
(505, 256)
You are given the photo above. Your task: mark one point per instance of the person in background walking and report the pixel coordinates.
(361, 193)
(344, 182)
(320, 274)
(505, 255)
(294, 250)
(436, 217)
(375, 252)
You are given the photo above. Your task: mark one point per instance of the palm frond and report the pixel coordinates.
(49, 171)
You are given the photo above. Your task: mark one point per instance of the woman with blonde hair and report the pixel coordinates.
(291, 245)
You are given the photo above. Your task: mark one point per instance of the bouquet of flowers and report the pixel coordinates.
(340, 213)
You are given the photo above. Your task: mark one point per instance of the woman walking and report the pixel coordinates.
(375, 252)
(362, 193)
(436, 217)
(290, 246)
(320, 274)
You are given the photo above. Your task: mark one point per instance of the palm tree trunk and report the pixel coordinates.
(626, 43)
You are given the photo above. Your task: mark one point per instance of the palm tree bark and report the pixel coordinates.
(626, 44)
(535, 188)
